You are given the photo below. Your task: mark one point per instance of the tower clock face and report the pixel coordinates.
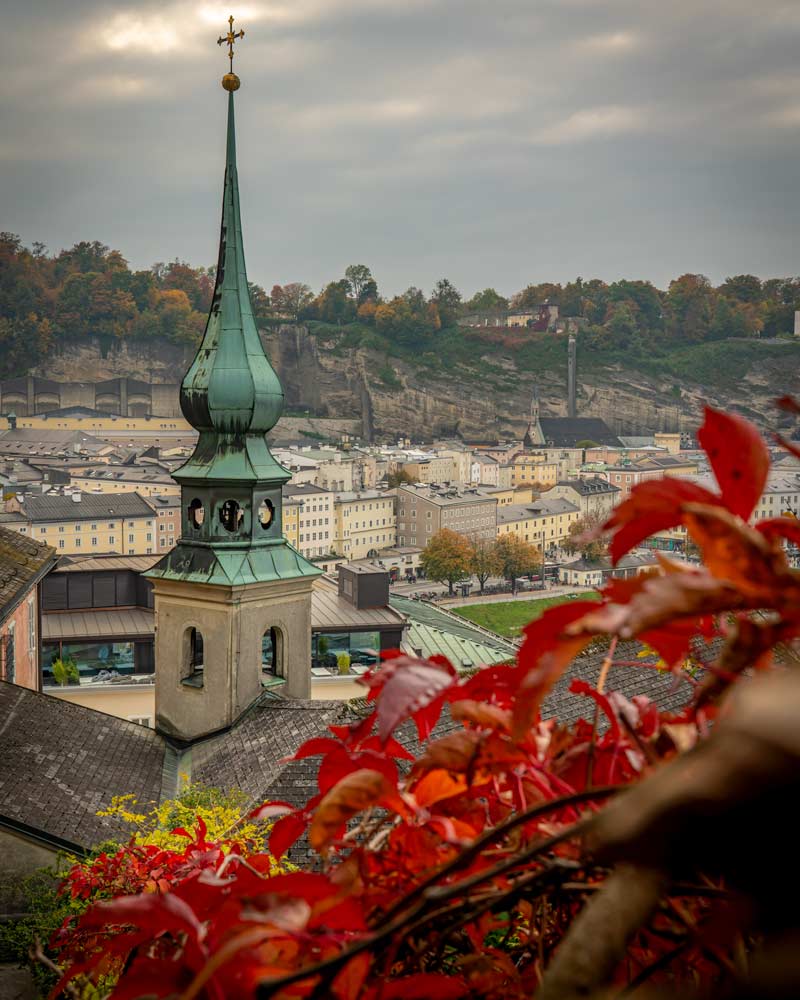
(266, 513)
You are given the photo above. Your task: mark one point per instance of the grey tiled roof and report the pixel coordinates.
(566, 432)
(62, 763)
(63, 508)
(22, 562)
(250, 756)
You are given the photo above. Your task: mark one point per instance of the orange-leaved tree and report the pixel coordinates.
(512, 856)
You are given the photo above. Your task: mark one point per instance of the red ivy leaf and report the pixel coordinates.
(780, 527)
(354, 793)
(788, 403)
(410, 689)
(423, 986)
(285, 832)
(653, 506)
(579, 686)
(316, 745)
(269, 810)
(739, 458)
(544, 656)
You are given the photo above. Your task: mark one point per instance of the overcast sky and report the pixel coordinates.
(495, 142)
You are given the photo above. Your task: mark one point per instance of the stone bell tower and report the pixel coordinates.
(233, 598)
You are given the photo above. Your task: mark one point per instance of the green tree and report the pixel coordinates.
(260, 302)
(742, 288)
(690, 304)
(334, 304)
(516, 558)
(447, 300)
(362, 283)
(447, 558)
(487, 301)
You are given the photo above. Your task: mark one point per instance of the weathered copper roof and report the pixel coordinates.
(231, 387)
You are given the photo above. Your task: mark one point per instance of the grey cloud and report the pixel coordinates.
(496, 144)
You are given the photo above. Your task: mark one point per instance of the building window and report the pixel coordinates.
(7, 653)
(192, 670)
(110, 539)
(87, 661)
(31, 625)
(196, 513)
(272, 652)
(130, 539)
(341, 653)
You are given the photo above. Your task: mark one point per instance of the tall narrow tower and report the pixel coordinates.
(572, 376)
(233, 598)
(534, 436)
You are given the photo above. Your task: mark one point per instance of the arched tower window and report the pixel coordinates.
(272, 652)
(192, 668)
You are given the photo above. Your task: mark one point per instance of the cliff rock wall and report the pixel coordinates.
(488, 400)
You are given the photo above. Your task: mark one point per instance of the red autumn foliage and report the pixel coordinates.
(462, 874)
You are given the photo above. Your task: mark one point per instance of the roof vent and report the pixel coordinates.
(76, 497)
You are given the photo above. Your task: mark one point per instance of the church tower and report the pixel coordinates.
(534, 436)
(233, 598)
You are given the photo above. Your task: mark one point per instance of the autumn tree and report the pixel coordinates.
(447, 558)
(516, 557)
(291, 300)
(584, 537)
(484, 560)
(400, 477)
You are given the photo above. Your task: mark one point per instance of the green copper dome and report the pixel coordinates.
(231, 387)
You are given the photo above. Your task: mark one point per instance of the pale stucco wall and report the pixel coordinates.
(125, 701)
(232, 622)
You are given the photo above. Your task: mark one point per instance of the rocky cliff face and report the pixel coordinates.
(488, 400)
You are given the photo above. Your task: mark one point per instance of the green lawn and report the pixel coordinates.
(507, 618)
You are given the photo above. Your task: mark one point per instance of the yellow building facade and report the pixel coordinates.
(365, 522)
(87, 524)
(533, 468)
(545, 524)
(291, 521)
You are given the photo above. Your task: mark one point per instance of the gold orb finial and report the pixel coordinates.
(230, 81)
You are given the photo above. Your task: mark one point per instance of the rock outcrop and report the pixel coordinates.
(488, 400)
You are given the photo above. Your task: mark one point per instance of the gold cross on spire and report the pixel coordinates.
(229, 39)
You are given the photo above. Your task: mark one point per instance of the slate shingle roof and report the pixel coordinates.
(250, 756)
(61, 763)
(22, 562)
(566, 432)
(64, 508)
